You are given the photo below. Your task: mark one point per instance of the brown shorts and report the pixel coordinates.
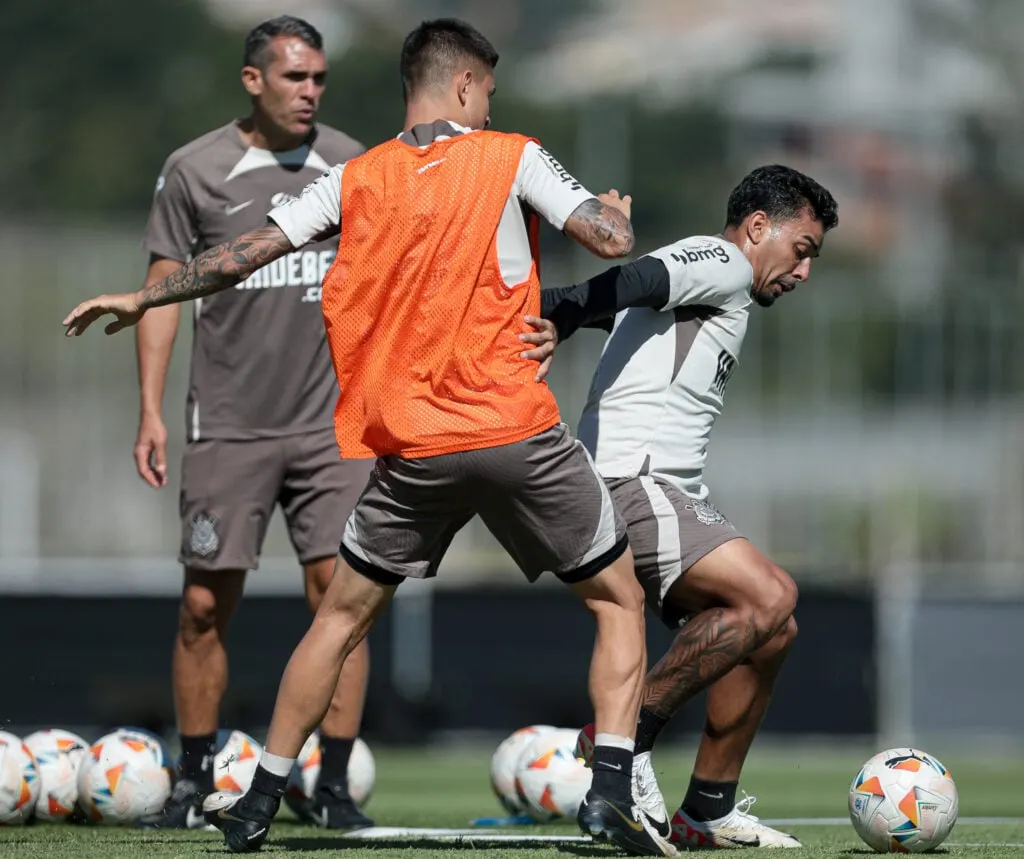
(229, 490)
(668, 533)
(541, 498)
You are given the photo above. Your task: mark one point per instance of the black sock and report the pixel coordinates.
(334, 755)
(197, 760)
(648, 726)
(613, 773)
(709, 800)
(267, 783)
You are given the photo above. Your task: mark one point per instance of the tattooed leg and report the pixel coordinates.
(738, 601)
(736, 705)
(706, 648)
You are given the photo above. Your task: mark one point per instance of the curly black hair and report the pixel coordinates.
(781, 193)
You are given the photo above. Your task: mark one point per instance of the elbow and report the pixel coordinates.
(620, 245)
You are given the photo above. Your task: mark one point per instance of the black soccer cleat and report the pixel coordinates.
(183, 810)
(332, 808)
(624, 825)
(244, 820)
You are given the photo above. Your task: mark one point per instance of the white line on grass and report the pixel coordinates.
(845, 821)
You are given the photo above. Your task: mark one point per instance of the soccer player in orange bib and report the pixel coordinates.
(434, 282)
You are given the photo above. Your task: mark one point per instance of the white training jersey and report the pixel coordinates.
(660, 383)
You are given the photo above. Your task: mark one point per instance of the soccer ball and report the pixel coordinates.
(585, 744)
(235, 761)
(58, 755)
(155, 742)
(503, 766)
(124, 776)
(362, 774)
(903, 801)
(550, 780)
(19, 781)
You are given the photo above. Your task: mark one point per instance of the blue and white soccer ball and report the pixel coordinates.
(903, 801)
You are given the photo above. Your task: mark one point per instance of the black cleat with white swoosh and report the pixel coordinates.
(244, 820)
(624, 825)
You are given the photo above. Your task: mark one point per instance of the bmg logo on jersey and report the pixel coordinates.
(705, 253)
(301, 268)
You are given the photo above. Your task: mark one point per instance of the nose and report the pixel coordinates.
(802, 271)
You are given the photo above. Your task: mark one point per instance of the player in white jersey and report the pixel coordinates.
(680, 315)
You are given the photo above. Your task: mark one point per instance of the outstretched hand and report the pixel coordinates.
(544, 340)
(124, 306)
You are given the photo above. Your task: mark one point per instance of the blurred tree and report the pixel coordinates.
(98, 94)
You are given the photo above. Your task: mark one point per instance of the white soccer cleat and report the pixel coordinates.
(647, 795)
(739, 828)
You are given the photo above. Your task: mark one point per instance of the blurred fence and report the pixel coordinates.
(857, 432)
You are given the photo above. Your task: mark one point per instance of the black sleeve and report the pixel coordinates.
(594, 303)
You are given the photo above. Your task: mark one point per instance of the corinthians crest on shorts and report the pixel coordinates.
(707, 513)
(203, 540)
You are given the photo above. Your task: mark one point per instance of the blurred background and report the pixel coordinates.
(871, 443)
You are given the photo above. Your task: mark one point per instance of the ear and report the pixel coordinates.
(757, 227)
(252, 80)
(463, 81)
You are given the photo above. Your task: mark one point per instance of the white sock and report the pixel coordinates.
(616, 741)
(276, 765)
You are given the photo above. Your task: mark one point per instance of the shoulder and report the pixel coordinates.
(187, 155)
(706, 270)
(725, 261)
(336, 146)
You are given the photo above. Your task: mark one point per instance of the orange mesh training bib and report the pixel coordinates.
(423, 331)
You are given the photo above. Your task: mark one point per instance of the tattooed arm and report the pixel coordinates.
(212, 271)
(218, 268)
(601, 226)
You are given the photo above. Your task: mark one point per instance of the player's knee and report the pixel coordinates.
(775, 601)
(788, 633)
(202, 613)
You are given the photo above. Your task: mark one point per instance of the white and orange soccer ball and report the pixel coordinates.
(362, 775)
(19, 781)
(903, 801)
(235, 761)
(551, 781)
(504, 762)
(58, 755)
(125, 776)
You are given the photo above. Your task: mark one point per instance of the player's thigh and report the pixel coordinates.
(318, 493)
(736, 573)
(652, 524)
(544, 501)
(406, 517)
(228, 493)
(353, 599)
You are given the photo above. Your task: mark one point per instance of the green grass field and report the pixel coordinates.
(443, 787)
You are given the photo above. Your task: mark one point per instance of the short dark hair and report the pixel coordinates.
(431, 53)
(257, 43)
(781, 193)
